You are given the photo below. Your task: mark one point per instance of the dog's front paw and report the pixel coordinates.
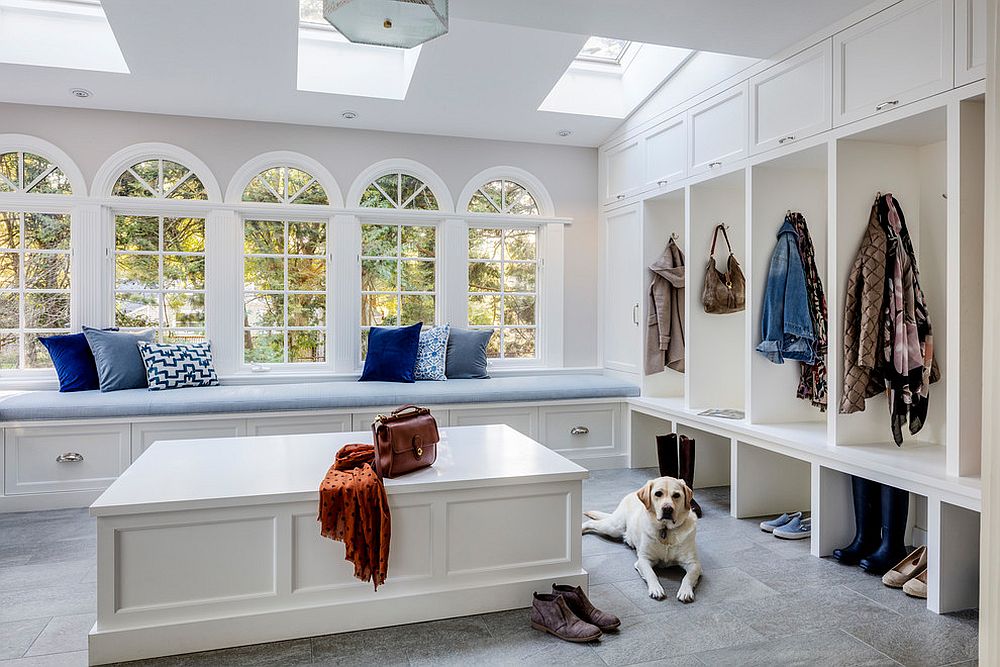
(656, 592)
(685, 594)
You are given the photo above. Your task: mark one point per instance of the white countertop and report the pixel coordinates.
(226, 472)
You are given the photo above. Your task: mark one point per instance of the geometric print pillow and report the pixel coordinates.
(431, 353)
(170, 366)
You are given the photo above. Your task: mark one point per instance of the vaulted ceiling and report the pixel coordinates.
(485, 78)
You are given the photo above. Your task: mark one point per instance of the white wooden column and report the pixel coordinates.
(224, 289)
(832, 510)
(92, 266)
(952, 557)
(552, 299)
(345, 285)
(453, 272)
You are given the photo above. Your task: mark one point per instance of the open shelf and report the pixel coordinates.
(794, 182)
(716, 344)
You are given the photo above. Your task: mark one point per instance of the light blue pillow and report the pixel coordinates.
(116, 354)
(175, 365)
(467, 353)
(431, 353)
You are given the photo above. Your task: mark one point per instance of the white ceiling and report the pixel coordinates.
(485, 78)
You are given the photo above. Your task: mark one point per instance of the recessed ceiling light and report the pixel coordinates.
(564, 133)
(82, 93)
(349, 115)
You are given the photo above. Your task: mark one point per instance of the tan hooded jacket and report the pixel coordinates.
(665, 325)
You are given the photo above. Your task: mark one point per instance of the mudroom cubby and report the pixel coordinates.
(907, 158)
(768, 483)
(716, 344)
(663, 220)
(795, 182)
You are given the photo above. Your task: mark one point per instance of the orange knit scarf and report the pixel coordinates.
(354, 509)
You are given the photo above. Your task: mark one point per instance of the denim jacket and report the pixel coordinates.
(786, 326)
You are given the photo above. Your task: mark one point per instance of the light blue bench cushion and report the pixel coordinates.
(35, 405)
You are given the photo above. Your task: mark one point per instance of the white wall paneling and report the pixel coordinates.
(898, 56)
(793, 99)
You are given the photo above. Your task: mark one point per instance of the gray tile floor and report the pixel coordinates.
(762, 601)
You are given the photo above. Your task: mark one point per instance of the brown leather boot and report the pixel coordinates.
(581, 605)
(666, 454)
(551, 614)
(687, 469)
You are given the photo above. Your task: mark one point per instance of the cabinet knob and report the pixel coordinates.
(885, 105)
(579, 430)
(69, 457)
(713, 165)
(790, 137)
(619, 197)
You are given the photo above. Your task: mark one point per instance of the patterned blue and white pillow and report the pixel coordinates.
(431, 353)
(172, 365)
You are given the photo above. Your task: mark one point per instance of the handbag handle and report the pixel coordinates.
(715, 237)
(403, 408)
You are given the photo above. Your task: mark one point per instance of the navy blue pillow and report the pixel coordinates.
(73, 360)
(392, 354)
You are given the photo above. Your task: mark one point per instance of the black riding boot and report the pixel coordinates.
(687, 469)
(867, 520)
(666, 454)
(895, 505)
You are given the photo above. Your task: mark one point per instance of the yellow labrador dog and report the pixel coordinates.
(658, 523)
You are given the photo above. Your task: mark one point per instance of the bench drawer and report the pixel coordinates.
(580, 429)
(307, 423)
(89, 457)
(523, 419)
(145, 434)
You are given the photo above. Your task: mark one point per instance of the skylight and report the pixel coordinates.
(74, 34)
(599, 49)
(329, 63)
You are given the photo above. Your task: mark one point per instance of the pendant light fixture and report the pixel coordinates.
(399, 23)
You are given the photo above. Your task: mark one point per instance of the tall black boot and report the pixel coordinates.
(666, 454)
(895, 506)
(867, 522)
(687, 469)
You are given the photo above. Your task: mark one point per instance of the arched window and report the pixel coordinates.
(159, 179)
(399, 190)
(27, 172)
(160, 259)
(504, 197)
(285, 185)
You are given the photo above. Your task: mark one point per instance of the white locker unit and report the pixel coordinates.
(793, 99)
(717, 131)
(623, 273)
(665, 153)
(898, 56)
(970, 41)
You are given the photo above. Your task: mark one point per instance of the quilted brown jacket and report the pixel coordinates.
(862, 315)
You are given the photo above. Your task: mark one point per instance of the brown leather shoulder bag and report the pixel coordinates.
(405, 440)
(724, 292)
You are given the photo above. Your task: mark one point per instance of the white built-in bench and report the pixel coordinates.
(62, 450)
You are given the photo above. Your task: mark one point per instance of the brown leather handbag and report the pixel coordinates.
(724, 292)
(405, 440)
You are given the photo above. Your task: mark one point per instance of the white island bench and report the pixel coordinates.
(204, 544)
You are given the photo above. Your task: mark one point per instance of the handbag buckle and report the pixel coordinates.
(420, 452)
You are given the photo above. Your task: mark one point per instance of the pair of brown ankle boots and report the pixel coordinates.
(568, 614)
(675, 455)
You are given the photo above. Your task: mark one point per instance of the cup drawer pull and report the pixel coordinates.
(69, 457)
(579, 430)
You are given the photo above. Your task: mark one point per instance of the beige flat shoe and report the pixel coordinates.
(917, 586)
(906, 569)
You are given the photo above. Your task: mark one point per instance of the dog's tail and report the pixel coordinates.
(594, 514)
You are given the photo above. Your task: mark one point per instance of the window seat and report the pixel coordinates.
(17, 406)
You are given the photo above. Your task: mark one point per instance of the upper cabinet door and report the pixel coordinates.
(970, 41)
(793, 99)
(624, 170)
(900, 55)
(666, 153)
(717, 130)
